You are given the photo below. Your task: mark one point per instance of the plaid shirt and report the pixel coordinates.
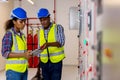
(7, 42)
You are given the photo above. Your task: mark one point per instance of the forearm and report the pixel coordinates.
(54, 44)
(16, 55)
(26, 55)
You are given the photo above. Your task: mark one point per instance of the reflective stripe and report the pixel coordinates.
(53, 54)
(14, 41)
(20, 51)
(17, 62)
(44, 55)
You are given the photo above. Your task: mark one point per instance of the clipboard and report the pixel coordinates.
(36, 52)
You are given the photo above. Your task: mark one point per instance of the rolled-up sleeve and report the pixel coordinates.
(60, 35)
(6, 44)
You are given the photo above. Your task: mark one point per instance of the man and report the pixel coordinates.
(51, 41)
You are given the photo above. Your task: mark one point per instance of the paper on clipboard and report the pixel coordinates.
(36, 52)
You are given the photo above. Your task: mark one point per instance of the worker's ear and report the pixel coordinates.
(14, 22)
(48, 18)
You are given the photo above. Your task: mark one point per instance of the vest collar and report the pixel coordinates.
(48, 27)
(16, 33)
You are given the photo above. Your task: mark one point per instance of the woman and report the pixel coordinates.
(14, 47)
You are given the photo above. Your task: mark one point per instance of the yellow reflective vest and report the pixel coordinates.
(18, 46)
(56, 54)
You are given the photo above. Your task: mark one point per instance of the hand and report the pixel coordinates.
(44, 46)
(27, 54)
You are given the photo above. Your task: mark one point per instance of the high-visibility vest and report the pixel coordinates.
(19, 46)
(55, 54)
